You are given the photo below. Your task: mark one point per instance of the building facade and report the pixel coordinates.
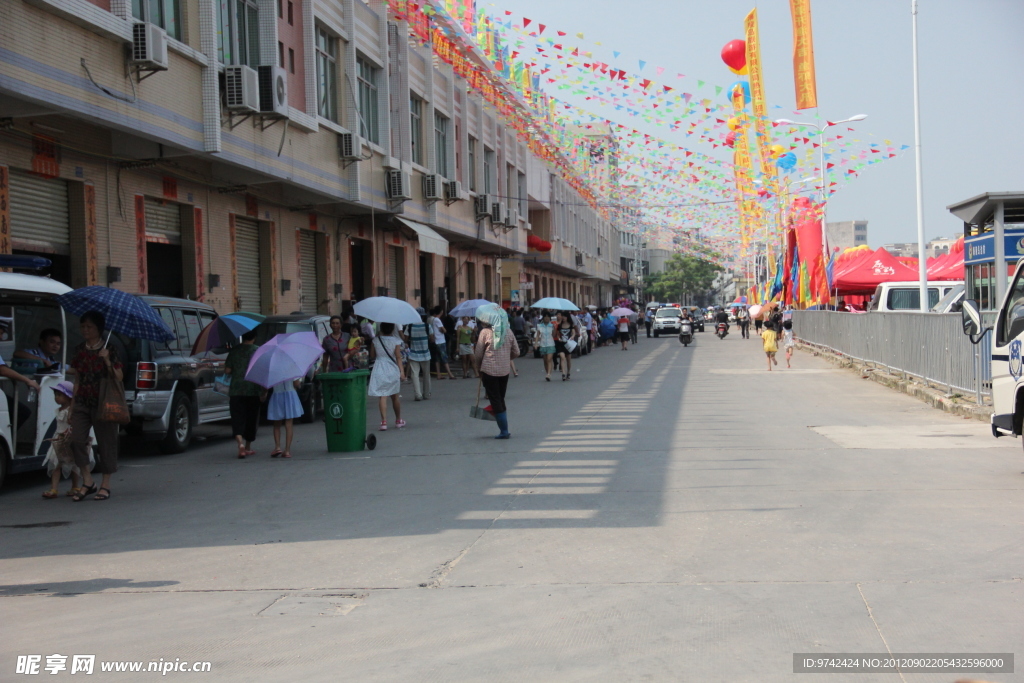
(280, 156)
(847, 234)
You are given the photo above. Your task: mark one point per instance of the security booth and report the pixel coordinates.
(993, 243)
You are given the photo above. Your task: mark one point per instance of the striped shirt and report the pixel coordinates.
(419, 346)
(492, 361)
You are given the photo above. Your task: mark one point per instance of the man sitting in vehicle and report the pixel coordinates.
(47, 354)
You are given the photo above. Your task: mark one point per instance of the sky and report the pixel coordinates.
(971, 76)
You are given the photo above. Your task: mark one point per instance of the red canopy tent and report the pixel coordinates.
(866, 273)
(948, 266)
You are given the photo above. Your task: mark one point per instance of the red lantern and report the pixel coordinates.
(734, 54)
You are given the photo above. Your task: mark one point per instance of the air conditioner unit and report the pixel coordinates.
(241, 88)
(432, 189)
(483, 206)
(498, 213)
(350, 147)
(149, 46)
(512, 220)
(273, 90)
(452, 191)
(397, 184)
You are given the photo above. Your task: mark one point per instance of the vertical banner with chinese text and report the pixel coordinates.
(803, 55)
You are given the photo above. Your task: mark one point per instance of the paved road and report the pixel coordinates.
(670, 514)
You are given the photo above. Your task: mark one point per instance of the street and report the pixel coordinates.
(670, 513)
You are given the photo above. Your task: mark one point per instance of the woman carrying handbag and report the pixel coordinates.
(98, 378)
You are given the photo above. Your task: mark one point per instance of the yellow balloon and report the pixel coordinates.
(778, 151)
(734, 123)
(739, 72)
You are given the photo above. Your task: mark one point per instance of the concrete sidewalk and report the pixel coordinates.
(669, 514)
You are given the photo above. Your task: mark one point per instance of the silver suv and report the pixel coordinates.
(169, 390)
(667, 320)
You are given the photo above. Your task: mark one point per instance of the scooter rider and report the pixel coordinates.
(722, 317)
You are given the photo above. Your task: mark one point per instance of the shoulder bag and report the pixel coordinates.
(112, 405)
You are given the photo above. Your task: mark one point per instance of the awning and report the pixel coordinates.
(430, 241)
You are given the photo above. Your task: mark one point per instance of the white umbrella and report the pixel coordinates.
(468, 308)
(555, 303)
(387, 309)
(619, 312)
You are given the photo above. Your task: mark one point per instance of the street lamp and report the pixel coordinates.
(821, 164)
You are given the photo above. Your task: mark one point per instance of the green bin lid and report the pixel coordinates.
(351, 374)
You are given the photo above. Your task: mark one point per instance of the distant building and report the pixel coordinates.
(940, 246)
(846, 234)
(902, 248)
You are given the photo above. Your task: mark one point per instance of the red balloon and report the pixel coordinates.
(734, 54)
(730, 139)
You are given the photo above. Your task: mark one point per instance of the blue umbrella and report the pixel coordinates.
(226, 329)
(123, 313)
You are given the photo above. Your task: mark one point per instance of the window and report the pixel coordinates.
(416, 125)
(280, 54)
(441, 143)
(472, 164)
(280, 11)
(367, 75)
(238, 30)
(510, 187)
(291, 8)
(326, 75)
(291, 60)
(523, 207)
(164, 13)
(490, 182)
(1011, 322)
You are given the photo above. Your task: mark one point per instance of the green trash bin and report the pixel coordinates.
(345, 411)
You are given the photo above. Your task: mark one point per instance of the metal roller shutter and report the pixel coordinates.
(39, 213)
(163, 222)
(307, 271)
(247, 260)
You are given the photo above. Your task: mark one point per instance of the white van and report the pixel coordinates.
(906, 296)
(1007, 340)
(28, 305)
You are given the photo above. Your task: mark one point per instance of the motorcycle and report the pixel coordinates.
(685, 332)
(722, 330)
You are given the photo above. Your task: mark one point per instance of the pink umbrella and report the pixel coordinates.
(283, 358)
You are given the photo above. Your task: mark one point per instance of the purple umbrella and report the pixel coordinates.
(283, 358)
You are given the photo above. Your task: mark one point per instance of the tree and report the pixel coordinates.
(683, 275)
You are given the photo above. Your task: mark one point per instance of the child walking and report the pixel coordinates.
(787, 340)
(284, 407)
(770, 340)
(61, 460)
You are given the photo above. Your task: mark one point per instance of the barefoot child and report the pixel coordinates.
(770, 340)
(60, 459)
(787, 340)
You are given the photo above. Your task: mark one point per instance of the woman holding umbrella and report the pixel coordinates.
(496, 348)
(93, 361)
(388, 374)
(545, 341)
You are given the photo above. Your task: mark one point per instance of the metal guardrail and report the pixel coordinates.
(929, 346)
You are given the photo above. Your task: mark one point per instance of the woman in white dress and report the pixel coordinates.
(388, 374)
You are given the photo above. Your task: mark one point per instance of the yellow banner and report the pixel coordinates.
(803, 55)
(757, 101)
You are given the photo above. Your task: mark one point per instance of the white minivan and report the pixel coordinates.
(906, 296)
(28, 305)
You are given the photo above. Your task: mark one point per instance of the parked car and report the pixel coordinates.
(906, 296)
(170, 391)
(309, 393)
(952, 302)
